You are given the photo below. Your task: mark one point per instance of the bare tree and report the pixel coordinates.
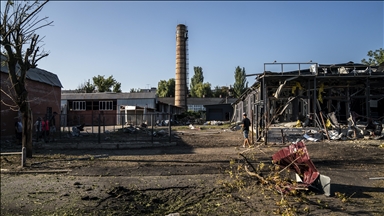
(19, 22)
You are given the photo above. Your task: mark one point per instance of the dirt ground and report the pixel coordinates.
(202, 175)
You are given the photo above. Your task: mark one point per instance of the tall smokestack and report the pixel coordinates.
(181, 82)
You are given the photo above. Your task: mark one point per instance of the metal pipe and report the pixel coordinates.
(265, 111)
(367, 100)
(99, 120)
(169, 124)
(152, 127)
(314, 103)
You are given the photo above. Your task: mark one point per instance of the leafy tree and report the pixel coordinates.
(171, 87)
(196, 79)
(19, 22)
(221, 91)
(162, 88)
(105, 84)
(241, 83)
(203, 90)
(375, 57)
(86, 87)
(117, 87)
(133, 90)
(166, 89)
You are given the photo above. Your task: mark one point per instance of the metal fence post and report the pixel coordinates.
(23, 156)
(60, 125)
(92, 121)
(103, 123)
(152, 128)
(122, 122)
(99, 128)
(169, 127)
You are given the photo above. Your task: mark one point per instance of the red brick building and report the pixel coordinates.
(44, 93)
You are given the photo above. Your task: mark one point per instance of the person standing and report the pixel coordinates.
(52, 126)
(45, 129)
(245, 126)
(19, 130)
(38, 128)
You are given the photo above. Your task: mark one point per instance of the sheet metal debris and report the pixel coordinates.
(296, 158)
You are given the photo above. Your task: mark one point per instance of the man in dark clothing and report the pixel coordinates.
(52, 126)
(18, 130)
(245, 126)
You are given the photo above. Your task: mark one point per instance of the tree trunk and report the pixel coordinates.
(27, 126)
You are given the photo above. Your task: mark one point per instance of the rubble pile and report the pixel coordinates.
(331, 129)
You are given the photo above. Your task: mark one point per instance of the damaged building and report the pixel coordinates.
(319, 96)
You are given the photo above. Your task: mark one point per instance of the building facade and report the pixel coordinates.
(44, 93)
(113, 108)
(342, 90)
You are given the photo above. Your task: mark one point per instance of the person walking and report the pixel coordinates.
(245, 127)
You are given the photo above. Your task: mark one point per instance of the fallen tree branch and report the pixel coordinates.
(246, 160)
(262, 180)
(289, 164)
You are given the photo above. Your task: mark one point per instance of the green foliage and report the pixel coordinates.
(117, 87)
(162, 88)
(171, 87)
(203, 90)
(197, 79)
(223, 91)
(86, 87)
(375, 57)
(106, 84)
(166, 88)
(241, 83)
(133, 90)
(188, 114)
(100, 84)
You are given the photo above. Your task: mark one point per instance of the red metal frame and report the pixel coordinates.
(297, 158)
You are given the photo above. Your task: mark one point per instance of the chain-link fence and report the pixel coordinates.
(109, 128)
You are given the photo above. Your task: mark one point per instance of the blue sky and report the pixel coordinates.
(136, 43)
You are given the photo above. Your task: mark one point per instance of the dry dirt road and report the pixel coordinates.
(202, 175)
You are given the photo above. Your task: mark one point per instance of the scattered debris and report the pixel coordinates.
(213, 123)
(160, 133)
(193, 127)
(295, 157)
(334, 135)
(306, 136)
(173, 214)
(235, 127)
(75, 132)
(129, 129)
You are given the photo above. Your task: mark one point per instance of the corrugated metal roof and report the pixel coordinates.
(36, 74)
(107, 95)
